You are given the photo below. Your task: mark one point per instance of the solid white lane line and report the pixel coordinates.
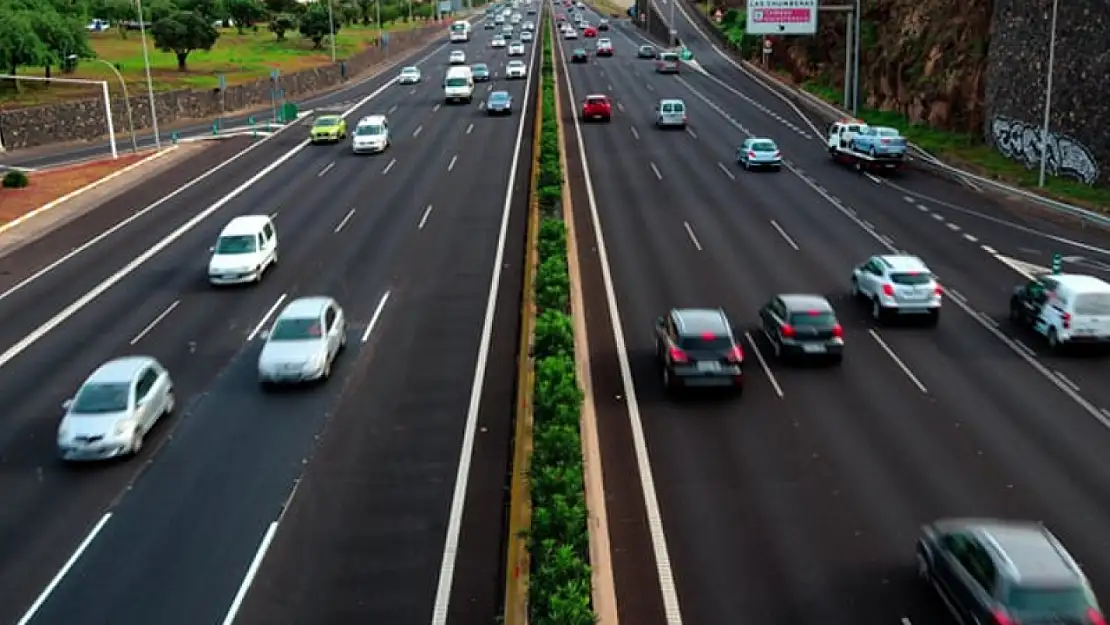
(325, 170)
(470, 128)
(262, 322)
(374, 318)
(424, 217)
(763, 364)
(150, 326)
(416, 133)
(252, 571)
(451, 165)
(898, 361)
(62, 572)
(635, 133)
(664, 570)
(466, 453)
(346, 218)
(782, 233)
(388, 167)
(725, 169)
(656, 170)
(693, 238)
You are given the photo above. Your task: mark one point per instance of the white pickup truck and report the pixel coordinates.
(839, 140)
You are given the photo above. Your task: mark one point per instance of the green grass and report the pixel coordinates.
(240, 58)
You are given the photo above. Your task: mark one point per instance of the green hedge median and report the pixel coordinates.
(559, 590)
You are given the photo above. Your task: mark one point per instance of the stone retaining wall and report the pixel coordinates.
(85, 119)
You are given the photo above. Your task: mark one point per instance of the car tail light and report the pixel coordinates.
(1000, 618)
(838, 331)
(751, 154)
(736, 354)
(1066, 319)
(787, 330)
(677, 355)
(888, 290)
(938, 291)
(777, 154)
(1095, 617)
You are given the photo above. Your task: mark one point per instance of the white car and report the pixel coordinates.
(114, 409)
(526, 36)
(570, 33)
(371, 135)
(409, 76)
(529, 26)
(458, 57)
(303, 343)
(497, 42)
(245, 249)
(516, 49)
(516, 69)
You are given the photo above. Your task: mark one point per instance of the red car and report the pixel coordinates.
(597, 108)
(589, 32)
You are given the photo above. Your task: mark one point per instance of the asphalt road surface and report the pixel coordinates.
(800, 502)
(329, 505)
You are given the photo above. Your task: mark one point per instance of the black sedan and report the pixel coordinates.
(579, 55)
(802, 326)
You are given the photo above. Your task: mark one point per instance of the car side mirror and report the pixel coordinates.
(265, 334)
(67, 404)
(211, 248)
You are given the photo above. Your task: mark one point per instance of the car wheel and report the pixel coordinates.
(877, 311)
(274, 261)
(171, 403)
(855, 288)
(327, 371)
(747, 166)
(668, 381)
(136, 443)
(872, 152)
(922, 567)
(776, 347)
(1053, 339)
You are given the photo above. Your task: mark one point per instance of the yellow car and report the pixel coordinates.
(329, 128)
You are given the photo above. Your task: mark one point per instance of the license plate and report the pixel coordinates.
(813, 349)
(1084, 332)
(709, 367)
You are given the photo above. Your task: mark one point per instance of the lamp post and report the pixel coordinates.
(331, 28)
(1048, 93)
(149, 81)
(126, 97)
(674, 28)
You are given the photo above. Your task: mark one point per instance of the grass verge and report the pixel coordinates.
(560, 589)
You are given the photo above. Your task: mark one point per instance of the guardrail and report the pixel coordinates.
(928, 160)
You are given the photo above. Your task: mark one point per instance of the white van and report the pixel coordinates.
(460, 31)
(1067, 309)
(459, 85)
(246, 248)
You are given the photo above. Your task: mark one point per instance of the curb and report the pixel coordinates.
(601, 563)
(89, 187)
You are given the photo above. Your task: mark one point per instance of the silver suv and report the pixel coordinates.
(898, 285)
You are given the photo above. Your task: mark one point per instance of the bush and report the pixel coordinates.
(16, 180)
(560, 587)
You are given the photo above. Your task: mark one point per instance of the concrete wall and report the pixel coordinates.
(85, 119)
(1017, 62)
(653, 24)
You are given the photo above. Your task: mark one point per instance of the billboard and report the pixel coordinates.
(446, 6)
(782, 17)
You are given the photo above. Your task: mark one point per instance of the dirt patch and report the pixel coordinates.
(50, 184)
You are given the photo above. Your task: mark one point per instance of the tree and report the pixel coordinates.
(276, 7)
(119, 12)
(183, 32)
(212, 10)
(19, 44)
(62, 36)
(245, 13)
(281, 24)
(315, 23)
(366, 11)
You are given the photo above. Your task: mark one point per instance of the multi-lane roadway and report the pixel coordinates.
(801, 501)
(354, 501)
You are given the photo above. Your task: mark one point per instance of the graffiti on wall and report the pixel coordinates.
(1021, 142)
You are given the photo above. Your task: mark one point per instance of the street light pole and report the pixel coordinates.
(149, 81)
(126, 98)
(1048, 93)
(331, 28)
(674, 28)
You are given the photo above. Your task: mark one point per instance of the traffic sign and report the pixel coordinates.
(782, 17)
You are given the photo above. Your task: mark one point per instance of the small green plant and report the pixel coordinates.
(16, 179)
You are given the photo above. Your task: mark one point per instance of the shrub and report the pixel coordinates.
(15, 180)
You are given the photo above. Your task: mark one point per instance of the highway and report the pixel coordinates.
(329, 504)
(801, 501)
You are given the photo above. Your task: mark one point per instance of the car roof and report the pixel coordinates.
(1030, 553)
(245, 224)
(597, 96)
(305, 307)
(410, 69)
(330, 117)
(672, 101)
(805, 301)
(499, 94)
(122, 369)
(904, 262)
(700, 320)
(376, 120)
(1080, 282)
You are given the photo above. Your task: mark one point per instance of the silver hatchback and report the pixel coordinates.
(758, 152)
(303, 343)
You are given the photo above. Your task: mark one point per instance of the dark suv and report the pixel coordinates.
(802, 326)
(1005, 573)
(696, 347)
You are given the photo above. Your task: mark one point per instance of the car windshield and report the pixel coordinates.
(324, 122)
(886, 132)
(764, 146)
(913, 278)
(816, 318)
(647, 49)
(479, 68)
(669, 57)
(1047, 601)
(456, 82)
(596, 101)
(410, 71)
(237, 244)
(1092, 304)
(99, 398)
(369, 130)
(498, 97)
(707, 343)
(296, 329)
(516, 64)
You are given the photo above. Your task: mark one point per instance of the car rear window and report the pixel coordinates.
(1092, 304)
(1048, 601)
(707, 343)
(763, 146)
(915, 278)
(818, 319)
(595, 101)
